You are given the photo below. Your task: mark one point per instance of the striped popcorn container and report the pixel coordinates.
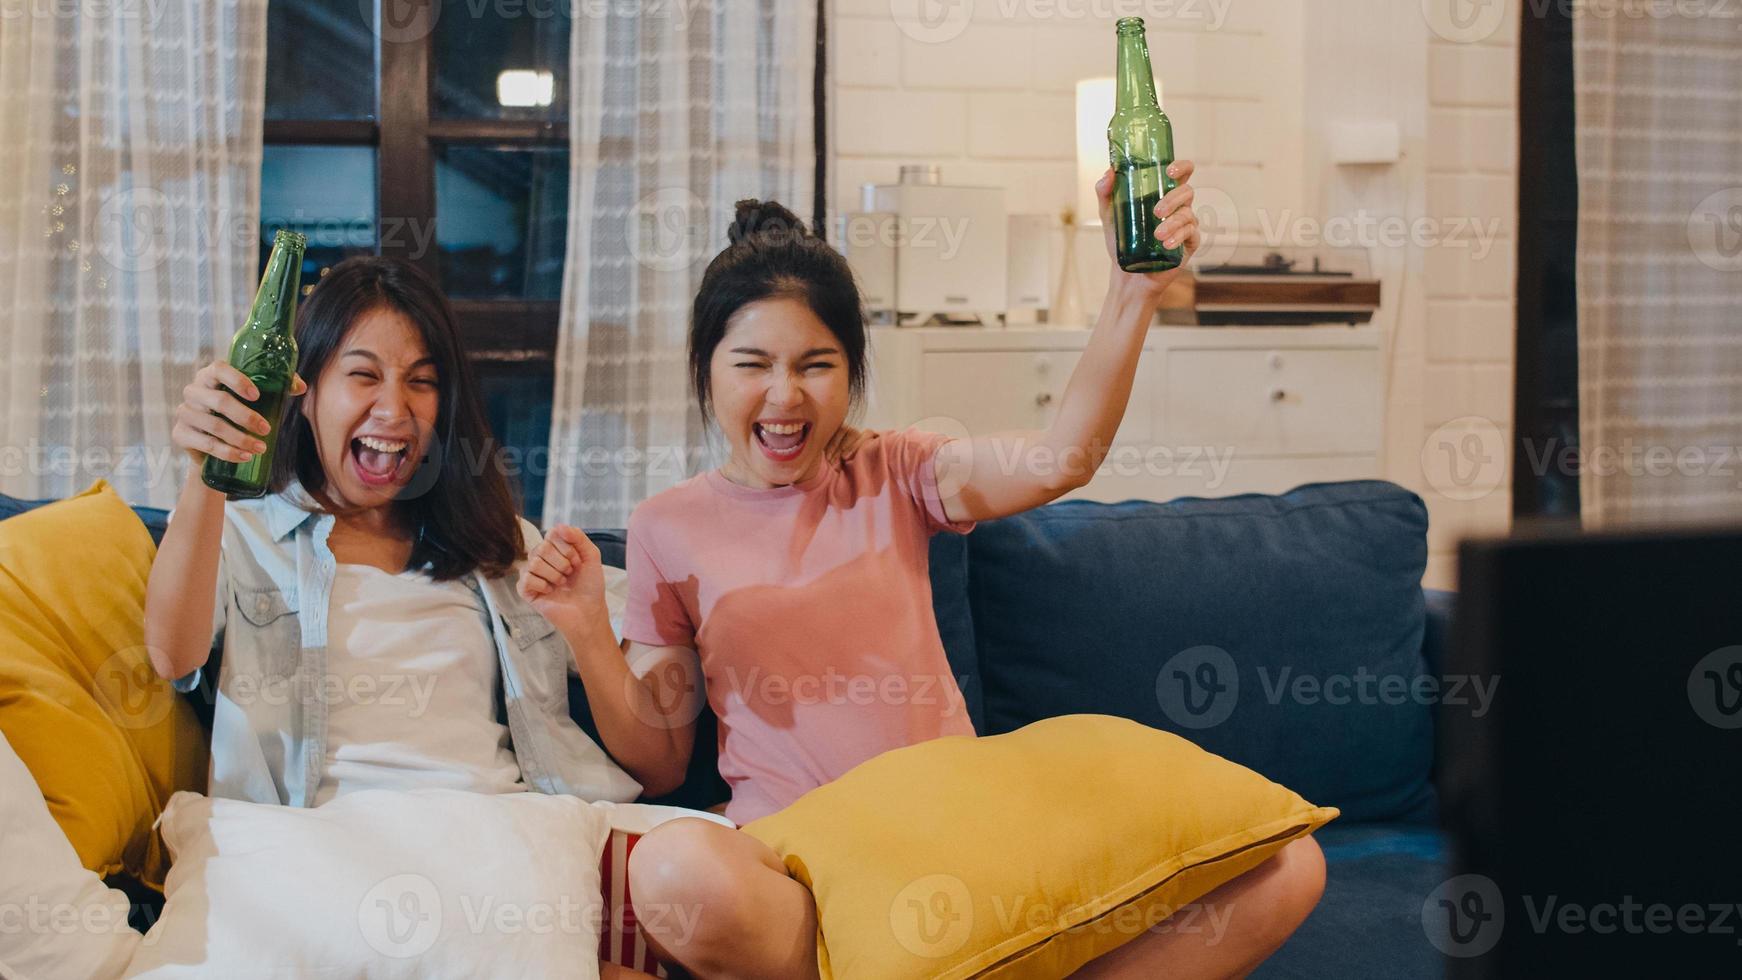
(621, 941)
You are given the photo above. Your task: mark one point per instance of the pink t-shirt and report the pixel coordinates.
(810, 607)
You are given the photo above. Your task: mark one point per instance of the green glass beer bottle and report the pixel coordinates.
(1140, 148)
(265, 350)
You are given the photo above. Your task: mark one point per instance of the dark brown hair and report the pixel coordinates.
(459, 500)
(772, 254)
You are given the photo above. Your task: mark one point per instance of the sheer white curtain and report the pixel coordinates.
(1660, 266)
(129, 173)
(678, 111)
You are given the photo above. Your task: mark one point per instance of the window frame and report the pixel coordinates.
(514, 335)
(1546, 369)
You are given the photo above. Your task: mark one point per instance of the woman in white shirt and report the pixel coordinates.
(366, 609)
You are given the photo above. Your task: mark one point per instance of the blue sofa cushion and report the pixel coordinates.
(1368, 925)
(949, 603)
(13, 506)
(1272, 630)
(156, 521)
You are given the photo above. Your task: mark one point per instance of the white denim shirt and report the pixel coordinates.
(269, 720)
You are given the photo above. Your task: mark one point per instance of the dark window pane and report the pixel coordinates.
(325, 192)
(320, 59)
(517, 399)
(502, 221)
(476, 43)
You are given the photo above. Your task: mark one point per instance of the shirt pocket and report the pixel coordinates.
(541, 655)
(273, 640)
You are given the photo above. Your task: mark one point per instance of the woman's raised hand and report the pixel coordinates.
(1179, 222)
(564, 580)
(848, 441)
(211, 421)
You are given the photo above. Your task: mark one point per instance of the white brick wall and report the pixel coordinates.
(988, 92)
(1467, 361)
(1253, 86)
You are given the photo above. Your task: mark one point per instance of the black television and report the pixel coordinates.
(1594, 809)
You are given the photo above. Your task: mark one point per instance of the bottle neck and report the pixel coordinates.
(276, 306)
(1135, 79)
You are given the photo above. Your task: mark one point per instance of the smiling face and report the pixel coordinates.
(779, 389)
(373, 410)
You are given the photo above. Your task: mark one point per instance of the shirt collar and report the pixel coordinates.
(288, 510)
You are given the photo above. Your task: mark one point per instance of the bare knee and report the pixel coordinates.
(680, 861)
(708, 899)
(1306, 870)
(1294, 880)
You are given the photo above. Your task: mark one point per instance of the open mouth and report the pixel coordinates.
(379, 462)
(781, 441)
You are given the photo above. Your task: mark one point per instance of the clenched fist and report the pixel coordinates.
(565, 581)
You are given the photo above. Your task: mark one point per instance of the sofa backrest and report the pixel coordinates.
(1282, 632)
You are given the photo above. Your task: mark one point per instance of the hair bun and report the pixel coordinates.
(760, 221)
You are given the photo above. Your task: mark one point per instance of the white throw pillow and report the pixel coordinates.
(380, 884)
(57, 919)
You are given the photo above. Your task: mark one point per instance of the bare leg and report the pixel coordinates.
(611, 971)
(1229, 931)
(719, 903)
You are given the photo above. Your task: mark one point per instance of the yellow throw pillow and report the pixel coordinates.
(105, 738)
(1025, 854)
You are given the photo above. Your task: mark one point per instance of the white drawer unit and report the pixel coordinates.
(1008, 389)
(1281, 401)
(1213, 411)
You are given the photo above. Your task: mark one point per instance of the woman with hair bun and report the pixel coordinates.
(797, 571)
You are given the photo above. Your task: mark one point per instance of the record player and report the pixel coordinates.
(1286, 286)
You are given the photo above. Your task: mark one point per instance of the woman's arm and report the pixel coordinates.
(183, 585)
(990, 476)
(644, 699)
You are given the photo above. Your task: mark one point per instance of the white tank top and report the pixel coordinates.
(411, 688)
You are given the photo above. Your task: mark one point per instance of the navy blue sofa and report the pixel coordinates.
(1289, 633)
